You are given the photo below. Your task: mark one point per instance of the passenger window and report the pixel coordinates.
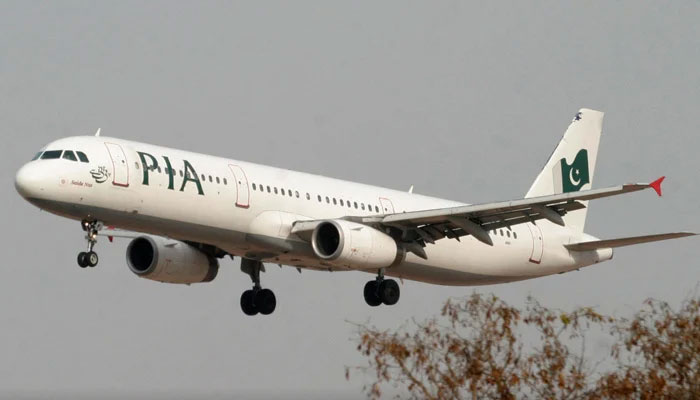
(268, 189)
(282, 190)
(501, 231)
(51, 154)
(81, 156)
(328, 200)
(296, 193)
(275, 190)
(69, 155)
(289, 193)
(36, 157)
(335, 203)
(254, 188)
(225, 182)
(210, 180)
(508, 233)
(515, 235)
(349, 205)
(204, 178)
(180, 173)
(376, 208)
(217, 180)
(341, 202)
(308, 196)
(319, 198)
(362, 206)
(159, 171)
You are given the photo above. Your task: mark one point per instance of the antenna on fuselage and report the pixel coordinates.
(410, 190)
(98, 132)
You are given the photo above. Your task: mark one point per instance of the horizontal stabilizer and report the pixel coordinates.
(605, 244)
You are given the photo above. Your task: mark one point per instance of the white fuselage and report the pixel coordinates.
(230, 206)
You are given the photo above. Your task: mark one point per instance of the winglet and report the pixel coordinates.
(656, 185)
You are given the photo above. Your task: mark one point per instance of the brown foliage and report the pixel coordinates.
(481, 347)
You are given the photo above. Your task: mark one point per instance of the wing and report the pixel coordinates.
(427, 226)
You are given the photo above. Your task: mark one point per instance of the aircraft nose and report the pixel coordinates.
(26, 181)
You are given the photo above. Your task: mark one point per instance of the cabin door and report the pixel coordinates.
(120, 166)
(537, 243)
(241, 182)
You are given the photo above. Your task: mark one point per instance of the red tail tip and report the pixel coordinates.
(656, 185)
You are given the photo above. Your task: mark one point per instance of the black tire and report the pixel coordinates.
(371, 294)
(82, 259)
(265, 301)
(389, 292)
(91, 258)
(247, 304)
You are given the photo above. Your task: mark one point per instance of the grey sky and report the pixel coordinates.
(463, 100)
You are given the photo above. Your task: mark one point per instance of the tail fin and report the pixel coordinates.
(571, 166)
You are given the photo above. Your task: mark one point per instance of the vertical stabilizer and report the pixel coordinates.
(572, 164)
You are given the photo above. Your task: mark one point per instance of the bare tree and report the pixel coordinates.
(481, 347)
(658, 353)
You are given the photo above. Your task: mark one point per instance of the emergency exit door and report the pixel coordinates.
(242, 191)
(537, 243)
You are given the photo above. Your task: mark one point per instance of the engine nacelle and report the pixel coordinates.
(353, 245)
(170, 261)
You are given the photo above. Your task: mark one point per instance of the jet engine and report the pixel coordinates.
(354, 245)
(169, 261)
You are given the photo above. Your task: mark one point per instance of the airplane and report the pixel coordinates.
(185, 211)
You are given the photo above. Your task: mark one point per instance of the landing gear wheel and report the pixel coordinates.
(91, 258)
(247, 304)
(389, 292)
(257, 300)
(82, 259)
(265, 301)
(371, 294)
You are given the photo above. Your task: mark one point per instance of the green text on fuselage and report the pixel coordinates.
(150, 163)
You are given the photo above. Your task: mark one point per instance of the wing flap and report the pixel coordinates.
(628, 241)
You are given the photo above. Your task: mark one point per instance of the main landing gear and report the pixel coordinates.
(256, 300)
(382, 290)
(89, 258)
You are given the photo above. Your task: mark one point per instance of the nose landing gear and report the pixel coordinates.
(382, 290)
(89, 258)
(256, 300)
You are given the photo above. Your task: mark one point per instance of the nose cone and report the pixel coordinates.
(27, 181)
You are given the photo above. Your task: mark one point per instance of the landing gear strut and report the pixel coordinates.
(256, 300)
(381, 291)
(89, 258)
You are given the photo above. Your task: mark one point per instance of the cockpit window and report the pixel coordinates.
(69, 155)
(36, 157)
(51, 154)
(82, 156)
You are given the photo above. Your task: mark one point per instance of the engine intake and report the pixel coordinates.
(170, 261)
(354, 245)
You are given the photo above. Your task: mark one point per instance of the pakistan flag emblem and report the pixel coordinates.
(574, 176)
